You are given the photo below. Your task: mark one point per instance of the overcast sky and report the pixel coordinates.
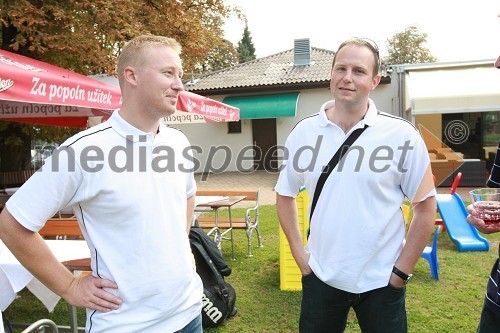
(457, 30)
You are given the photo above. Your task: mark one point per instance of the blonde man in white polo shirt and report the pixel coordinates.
(132, 189)
(357, 255)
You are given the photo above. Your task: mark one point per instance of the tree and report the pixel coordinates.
(221, 56)
(87, 35)
(408, 47)
(246, 50)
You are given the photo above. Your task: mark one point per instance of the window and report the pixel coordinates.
(234, 127)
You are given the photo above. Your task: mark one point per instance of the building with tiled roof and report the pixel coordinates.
(276, 72)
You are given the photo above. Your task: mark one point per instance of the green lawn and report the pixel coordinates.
(452, 304)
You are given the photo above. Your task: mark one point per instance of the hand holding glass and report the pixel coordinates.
(486, 202)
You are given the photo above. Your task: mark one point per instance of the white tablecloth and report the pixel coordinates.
(14, 277)
(204, 199)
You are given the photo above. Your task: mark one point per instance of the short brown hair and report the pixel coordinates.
(362, 42)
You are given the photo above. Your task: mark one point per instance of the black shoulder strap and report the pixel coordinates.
(216, 274)
(196, 234)
(332, 164)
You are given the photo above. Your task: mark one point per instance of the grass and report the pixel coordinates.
(452, 304)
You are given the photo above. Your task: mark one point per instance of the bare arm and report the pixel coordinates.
(287, 215)
(424, 217)
(33, 253)
(190, 212)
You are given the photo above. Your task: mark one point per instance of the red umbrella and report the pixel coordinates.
(210, 110)
(33, 91)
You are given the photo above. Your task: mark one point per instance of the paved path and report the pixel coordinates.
(266, 182)
(242, 181)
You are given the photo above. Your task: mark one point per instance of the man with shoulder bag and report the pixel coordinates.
(357, 255)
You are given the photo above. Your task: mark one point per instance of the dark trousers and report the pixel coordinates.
(490, 319)
(324, 308)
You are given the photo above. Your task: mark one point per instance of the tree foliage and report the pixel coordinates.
(222, 55)
(246, 49)
(86, 36)
(408, 47)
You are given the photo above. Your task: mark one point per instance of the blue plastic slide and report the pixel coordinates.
(453, 212)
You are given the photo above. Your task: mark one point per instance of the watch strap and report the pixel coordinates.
(405, 277)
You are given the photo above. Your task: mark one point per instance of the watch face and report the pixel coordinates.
(408, 278)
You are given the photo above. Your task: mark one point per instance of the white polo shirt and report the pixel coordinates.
(357, 230)
(128, 190)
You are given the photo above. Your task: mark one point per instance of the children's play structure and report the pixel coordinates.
(454, 214)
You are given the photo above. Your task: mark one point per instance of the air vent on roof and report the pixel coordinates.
(301, 52)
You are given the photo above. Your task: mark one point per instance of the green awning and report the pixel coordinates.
(265, 106)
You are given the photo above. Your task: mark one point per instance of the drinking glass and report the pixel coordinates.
(486, 202)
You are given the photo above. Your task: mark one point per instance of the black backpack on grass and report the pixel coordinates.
(219, 297)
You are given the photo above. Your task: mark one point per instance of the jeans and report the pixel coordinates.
(325, 309)
(193, 327)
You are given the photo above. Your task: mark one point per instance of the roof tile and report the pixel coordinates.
(273, 70)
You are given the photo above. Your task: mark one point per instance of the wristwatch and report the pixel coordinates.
(406, 277)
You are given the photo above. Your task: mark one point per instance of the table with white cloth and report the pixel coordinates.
(14, 277)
